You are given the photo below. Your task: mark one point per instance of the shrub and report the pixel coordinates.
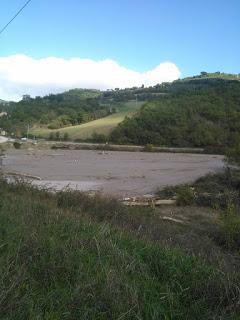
(51, 136)
(230, 227)
(167, 192)
(66, 136)
(148, 148)
(99, 138)
(213, 190)
(17, 145)
(185, 196)
(57, 135)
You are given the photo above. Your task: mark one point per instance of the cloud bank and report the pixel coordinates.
(20, 74)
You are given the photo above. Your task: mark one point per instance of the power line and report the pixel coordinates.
(14, 17)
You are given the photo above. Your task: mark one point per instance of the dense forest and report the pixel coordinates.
(196, 113)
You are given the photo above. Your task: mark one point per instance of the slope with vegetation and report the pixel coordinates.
(199, 111)
(195, 113)
(97, 128)
(66, 255)
(55, 111)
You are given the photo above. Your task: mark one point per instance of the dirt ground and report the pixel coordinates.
(116, 173)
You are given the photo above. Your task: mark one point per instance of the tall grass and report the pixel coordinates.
(62, 258)
(213, 190)
(230, 227)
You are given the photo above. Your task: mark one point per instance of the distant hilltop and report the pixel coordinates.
(218, 74)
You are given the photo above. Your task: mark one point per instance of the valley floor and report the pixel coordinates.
(116, 173)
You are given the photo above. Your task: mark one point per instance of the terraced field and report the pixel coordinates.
(100, 126)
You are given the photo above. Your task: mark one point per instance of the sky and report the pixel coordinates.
(60, 44)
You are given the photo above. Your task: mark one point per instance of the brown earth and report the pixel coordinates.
(117, 173)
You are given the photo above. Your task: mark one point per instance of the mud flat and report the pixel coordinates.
(117, 173)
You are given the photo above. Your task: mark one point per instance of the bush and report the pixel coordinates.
(230, 227)
(17, 145)
(57, 135)
(185, 196)
(233, 154)
(148, 147)
(167, 192)
(66, 136)
(51, 136)
(213, 190)
(99, 138)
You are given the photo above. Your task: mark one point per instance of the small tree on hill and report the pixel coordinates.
(57, 135)
(66, 136)
(51, 136)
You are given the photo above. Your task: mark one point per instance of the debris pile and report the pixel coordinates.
(147, 201)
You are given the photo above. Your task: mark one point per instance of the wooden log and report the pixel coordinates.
(150, 203)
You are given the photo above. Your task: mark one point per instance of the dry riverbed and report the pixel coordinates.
(118, 173)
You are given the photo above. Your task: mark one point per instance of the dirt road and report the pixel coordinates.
(117, 173)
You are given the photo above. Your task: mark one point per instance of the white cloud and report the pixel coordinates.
(20, 74)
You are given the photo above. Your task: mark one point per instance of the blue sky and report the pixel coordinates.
(137, 34)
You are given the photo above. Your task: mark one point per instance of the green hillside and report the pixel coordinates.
(202, 110)
(101, 126)
(69, 108)
(196, 113)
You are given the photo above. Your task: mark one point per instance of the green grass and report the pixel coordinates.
(101, 126)
(57, 263)
(216, 190)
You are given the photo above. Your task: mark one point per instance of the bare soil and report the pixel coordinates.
(116, 173)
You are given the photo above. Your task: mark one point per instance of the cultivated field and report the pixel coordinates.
(100, 126)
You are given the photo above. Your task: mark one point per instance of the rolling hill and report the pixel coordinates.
(195, 113)
(100, 126)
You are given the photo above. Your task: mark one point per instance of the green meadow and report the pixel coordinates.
(101, 126)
